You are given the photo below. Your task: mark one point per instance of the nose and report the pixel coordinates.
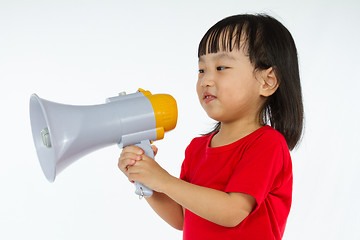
(206, 79)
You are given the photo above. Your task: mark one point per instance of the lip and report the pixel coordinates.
(208, 97)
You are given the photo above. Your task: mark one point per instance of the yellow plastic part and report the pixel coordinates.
(146, 93)
(166, 113)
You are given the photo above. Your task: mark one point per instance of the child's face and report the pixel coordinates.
(227, 87)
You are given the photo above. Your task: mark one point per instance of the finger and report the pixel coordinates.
(128, 158)
(134, 149)
(155, 149)
(125, 167)
(130, 155)
(124, 163)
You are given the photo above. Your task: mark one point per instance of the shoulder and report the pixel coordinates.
(267, 136)
(268, 146)
(196, 146)
(201, 141)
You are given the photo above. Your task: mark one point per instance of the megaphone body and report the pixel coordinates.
(64, 133)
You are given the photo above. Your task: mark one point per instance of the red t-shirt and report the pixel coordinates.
(259, 165)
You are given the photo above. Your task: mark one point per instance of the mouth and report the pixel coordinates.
(207, 97)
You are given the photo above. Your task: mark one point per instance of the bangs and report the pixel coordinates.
(224, 36)
(240, 32)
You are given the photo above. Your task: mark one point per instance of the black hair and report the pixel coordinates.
(267, 43)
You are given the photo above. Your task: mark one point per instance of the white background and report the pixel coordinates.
(81, 52)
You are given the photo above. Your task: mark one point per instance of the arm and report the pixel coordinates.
(226, 209)
(170, 211)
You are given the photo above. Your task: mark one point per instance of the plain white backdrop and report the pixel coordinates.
(81, 52)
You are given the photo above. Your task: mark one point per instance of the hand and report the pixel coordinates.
(139, 167)
(129, 156)
(148, 172)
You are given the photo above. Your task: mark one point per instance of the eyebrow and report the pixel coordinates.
(217, 56)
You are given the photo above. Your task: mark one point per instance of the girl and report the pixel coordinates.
(236, 181)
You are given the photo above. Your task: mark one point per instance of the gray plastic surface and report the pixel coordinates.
(75, 131)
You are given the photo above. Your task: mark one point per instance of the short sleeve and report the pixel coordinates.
(259, 169)
(184, 174)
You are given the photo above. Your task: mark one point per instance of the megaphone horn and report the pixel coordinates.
(64, 133)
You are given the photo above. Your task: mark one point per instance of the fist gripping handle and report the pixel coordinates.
(141, 189)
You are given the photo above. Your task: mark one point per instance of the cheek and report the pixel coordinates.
(198, 90)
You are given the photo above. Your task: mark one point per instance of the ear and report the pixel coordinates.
(268, 82)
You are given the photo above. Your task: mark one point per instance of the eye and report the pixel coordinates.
(201, 71)
(220, 68)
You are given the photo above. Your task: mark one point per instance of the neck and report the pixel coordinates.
(231, 132)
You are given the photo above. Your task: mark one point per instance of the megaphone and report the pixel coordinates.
(63, 133)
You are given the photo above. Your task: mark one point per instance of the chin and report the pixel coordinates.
(215, 117)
